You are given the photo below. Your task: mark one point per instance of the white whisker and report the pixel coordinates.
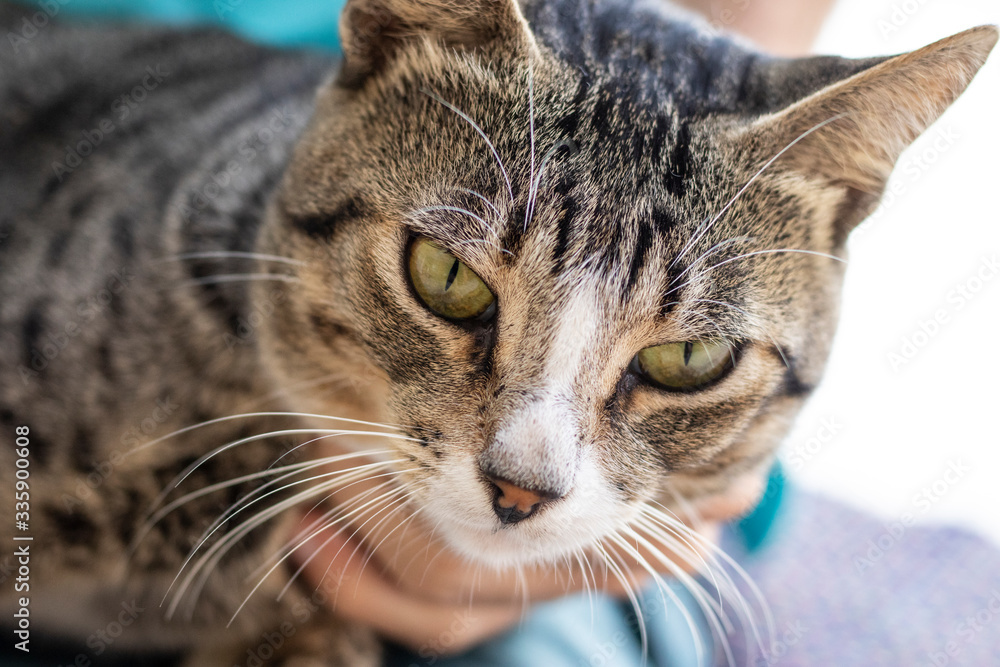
(536, 183)
(285, 472)
(373, 533)
(486, 201)
(287, 555)
(254, 415)
(263, 436)
(405, 521)
(468, 119)
(237, 533)
(701, 274)
(717, 247)
(688, 582)
(521, 584)
(177, 481)
(618, 571)
(458, 209)
(331, 518)
(295, 386)
(778, 250)
(699, 234)
(717, 554)
(531, 135)
(777, 347)
(588, 585)
(489, 243)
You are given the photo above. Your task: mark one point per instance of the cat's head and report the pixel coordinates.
(584, 261)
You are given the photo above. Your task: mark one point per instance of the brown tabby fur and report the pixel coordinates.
(632, 209)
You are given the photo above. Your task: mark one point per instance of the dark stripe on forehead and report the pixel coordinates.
(322, 226)
(643, 243)
(672, 292)
(513, 234)
(609, 239)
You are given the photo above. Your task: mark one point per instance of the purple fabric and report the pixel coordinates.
(847, 589)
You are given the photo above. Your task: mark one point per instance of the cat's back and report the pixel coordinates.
(119, 148)
(75, 100)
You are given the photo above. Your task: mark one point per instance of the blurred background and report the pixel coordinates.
(907, 420)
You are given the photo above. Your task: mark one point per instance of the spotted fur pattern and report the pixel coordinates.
(625, 179)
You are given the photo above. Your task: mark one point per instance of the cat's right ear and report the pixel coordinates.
(371, 31)
(851, 132)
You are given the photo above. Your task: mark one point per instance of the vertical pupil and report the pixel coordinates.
(688, 349)
(451, 276)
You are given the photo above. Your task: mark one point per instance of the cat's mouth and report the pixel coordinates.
(469, 514)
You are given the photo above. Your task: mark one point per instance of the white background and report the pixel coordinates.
(900, 429)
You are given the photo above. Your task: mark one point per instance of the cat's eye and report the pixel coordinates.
(446, 285)
(685, 366)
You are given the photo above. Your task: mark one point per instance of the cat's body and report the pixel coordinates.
(133, 161)
(111, 329)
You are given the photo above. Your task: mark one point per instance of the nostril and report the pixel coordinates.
(513, 503)
(511, 515)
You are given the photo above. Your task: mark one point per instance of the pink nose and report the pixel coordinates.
(515, 503)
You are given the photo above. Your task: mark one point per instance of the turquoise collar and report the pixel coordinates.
(755, 526)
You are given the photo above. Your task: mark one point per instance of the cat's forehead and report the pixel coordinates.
(575, 179)
(593, 146)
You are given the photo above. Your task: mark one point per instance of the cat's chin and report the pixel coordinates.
(512, 547)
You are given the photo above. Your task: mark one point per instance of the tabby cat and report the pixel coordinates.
(567, 261)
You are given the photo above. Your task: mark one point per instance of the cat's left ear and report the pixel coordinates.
(851, 133)
(372, 31)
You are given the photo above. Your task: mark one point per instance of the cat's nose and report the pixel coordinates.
(513, 503)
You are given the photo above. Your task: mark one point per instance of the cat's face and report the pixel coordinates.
(640, 308)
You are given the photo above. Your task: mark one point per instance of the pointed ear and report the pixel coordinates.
(371, 31)
(852, 132)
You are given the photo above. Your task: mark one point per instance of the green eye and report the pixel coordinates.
(446, 285)
(685, 366)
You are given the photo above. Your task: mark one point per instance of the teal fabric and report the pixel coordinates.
(578, 631)
(311, 23)
(755, 527)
